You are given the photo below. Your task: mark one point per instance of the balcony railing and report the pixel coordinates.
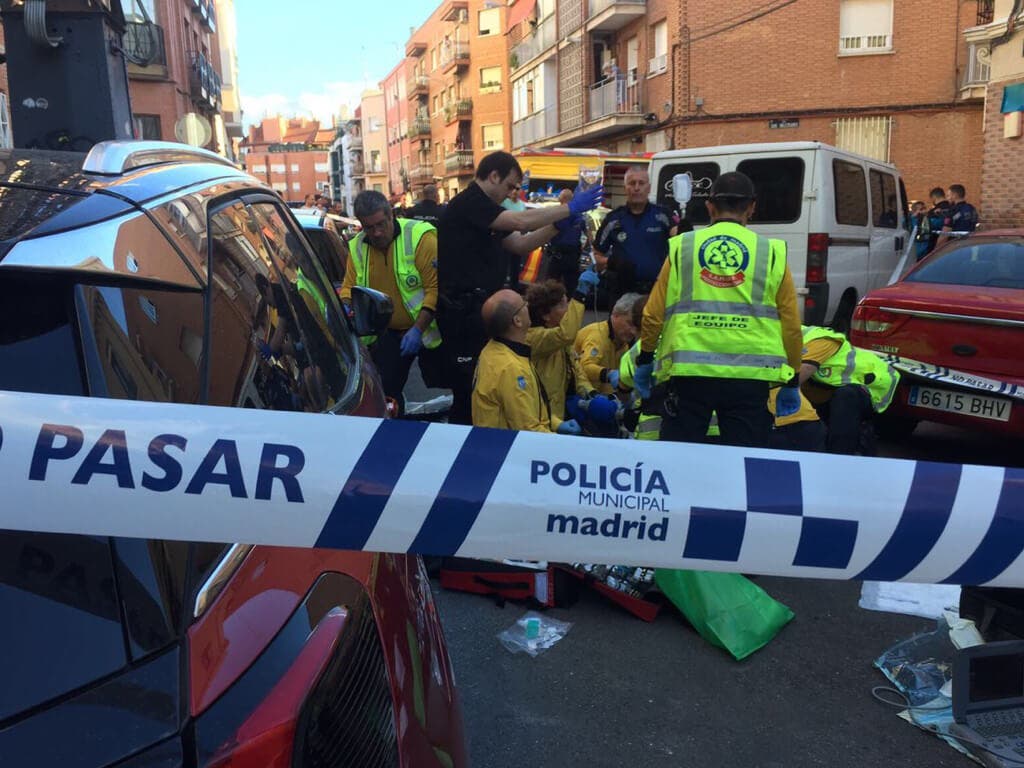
(453, 55)
(355, 141)
(986, 12)
(419, 85)
(419, 127)
(979, 68)
(459, 110)
(543, 37)
(614, 97)
(622, 12)
(535, 128)
(357, 169)
(459, 160)
(145, 43)
(204, 81)
(421, 174)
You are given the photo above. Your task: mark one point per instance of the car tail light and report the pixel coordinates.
(868, 319)
(266, 739)
(817, 258)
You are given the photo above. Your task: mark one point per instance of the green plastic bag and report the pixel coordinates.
(727, 609)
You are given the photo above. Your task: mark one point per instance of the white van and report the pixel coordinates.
(842, 215)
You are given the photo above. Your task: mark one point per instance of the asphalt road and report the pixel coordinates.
(617, 691)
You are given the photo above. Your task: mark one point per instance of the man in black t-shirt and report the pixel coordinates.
(427, 209)
(478, 242)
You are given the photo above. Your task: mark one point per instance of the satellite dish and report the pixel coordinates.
(193, 129)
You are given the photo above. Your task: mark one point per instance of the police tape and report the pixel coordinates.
(943, 374)
(109, 467)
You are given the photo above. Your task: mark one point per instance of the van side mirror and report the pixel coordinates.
(682, 188)
(371, 311)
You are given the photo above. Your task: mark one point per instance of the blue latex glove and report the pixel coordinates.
(412, 342)
(588, 282)
(602, 410)
(265, 351)
(643, 379)
(613, 378)
(787, 402)
(570, 427)
(575, 408)
(586, 200)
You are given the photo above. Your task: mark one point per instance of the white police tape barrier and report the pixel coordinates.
(109, 467)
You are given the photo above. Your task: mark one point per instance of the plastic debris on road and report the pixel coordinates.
(929, 601)
(533, 633)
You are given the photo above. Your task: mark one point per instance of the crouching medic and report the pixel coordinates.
(507, 392)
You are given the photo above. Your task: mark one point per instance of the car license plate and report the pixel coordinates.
(966, 403)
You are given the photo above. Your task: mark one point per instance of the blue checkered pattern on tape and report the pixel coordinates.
(107, 467)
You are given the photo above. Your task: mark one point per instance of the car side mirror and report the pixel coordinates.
(682, 188)
(371, 311)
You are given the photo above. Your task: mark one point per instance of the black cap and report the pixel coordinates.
(733, 186)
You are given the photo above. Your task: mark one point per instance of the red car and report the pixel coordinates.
(956, 324)
(158, 272)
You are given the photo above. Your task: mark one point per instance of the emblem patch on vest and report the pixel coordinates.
(521, 381)
(723, 262)
(412, 281)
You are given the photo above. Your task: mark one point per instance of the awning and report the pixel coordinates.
(1013, 98)
(519, 12)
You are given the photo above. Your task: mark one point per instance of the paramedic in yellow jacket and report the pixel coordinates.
(554, 323)
(601, 345)
(507, 392)
(397, 257)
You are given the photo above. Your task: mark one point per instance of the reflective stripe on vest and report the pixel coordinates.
(850, 366)
(648, 428)
(405, 272)
(721, 319)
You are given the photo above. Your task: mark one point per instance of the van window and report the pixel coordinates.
(704, 175)
(779, 182)
(884, 204)
(851, 193)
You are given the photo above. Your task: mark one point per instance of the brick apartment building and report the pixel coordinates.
(183, 74)
(396, 129)
(6, 137)
(457, 88)
(1002, 59)
(290, 155)
(867, 75)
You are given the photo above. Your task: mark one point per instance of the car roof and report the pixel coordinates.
(1007, 232)
(766, 147)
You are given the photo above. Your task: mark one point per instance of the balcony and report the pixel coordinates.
(614, 105)
(357, 169)
(418, 86)
(210, 16)
(612, 15)
(542, 40)
(459, 162)
(355, 142)
(459, 110)
(978, 70)
(419, 128)
(535, 128)
(454, 56)
(415, 48)
(455, 11)
(145, 43)
(421, 174)
(204, 82)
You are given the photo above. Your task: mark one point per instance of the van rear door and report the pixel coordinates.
(887, 236)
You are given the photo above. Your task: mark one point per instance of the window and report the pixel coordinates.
(275, 329)
(632, 59)
(277, 168)
(438, 148)
(279, 186)
(489, 22)
(295, 167)
(296, 186)
(147, 127)
(6, 140)
(864, 135)
(258, 169)
(659, 62)
(884, 204)
(375, 161)
(493, 137)
(435, 103)
(780, 188)
(528, 94)
(490, 79)
(322, 167)
(703, 175)
(865, 26)
(851, 193)
(139, 11)
(997, 263)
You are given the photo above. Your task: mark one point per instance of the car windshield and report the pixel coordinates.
(990, 263)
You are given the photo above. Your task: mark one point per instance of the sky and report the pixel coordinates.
(306, 58)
